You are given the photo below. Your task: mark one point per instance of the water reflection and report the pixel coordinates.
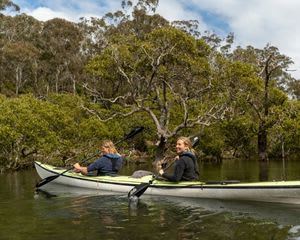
(60, 212)
(133, 202)
(110, 217)
(263, 170)
(281, 213)
(43, 193)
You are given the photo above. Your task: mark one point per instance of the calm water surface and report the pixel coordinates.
(66, 213)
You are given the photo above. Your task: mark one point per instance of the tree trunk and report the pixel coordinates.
(159, 155)
(74, 84)
(18, 80)
(262, 142)
(283, 159)
(57, 80)
(161, 148)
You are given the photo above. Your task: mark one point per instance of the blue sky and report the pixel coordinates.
(253, 22)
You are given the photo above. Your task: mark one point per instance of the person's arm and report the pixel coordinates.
(80, 169)
(178, 172)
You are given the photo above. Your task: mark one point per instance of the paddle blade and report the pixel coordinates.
(134, 132)
(137, 191)
(195, 141)
(46, 180)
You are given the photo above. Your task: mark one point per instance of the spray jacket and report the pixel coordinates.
(186, 168)
(108, 164)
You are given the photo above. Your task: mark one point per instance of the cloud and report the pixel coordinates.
(71, 10)
(178, 10)
(256, 23)
(44, 14)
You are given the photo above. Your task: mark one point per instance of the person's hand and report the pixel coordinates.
(161, 172)
(161, 163)
(77, 167)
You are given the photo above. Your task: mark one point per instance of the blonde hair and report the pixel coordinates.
(187, 142)
(110, 146)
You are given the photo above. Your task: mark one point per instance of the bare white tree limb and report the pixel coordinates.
(95, 113)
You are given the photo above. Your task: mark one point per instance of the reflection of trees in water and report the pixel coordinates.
(181, 221)
(263, 170)
(111, 217)
(225, 225)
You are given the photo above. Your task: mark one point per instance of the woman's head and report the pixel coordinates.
(183, 144)
(107, 146)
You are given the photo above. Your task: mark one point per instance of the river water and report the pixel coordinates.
(67, 213)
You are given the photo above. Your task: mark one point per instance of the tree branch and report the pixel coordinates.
(95, 113)
(98, 95)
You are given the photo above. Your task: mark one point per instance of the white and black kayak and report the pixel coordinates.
(275, 191)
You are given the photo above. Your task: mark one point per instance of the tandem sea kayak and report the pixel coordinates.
(269, 191)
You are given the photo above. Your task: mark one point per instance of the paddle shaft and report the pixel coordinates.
(51, 178)
(81, 162)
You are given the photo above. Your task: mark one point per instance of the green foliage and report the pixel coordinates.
(177, 81)
(285, 134)
(239, 135)
(51, 130)
(212, 142)
(22, 120)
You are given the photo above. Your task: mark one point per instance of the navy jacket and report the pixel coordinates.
(186, 168)
(108, 164)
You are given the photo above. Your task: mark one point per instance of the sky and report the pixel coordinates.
(253, 22)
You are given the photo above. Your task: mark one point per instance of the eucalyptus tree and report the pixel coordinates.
(143, 19)
(19, 52)
(294, 89)
(285, 133)
(4, 4)
(133, 19)
(150, 66)
(166, 75)
(93, 36)
(236, 80)
(19, 57)
(270, 66)
(61, 56)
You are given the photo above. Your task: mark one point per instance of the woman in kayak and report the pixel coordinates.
(186, 167)
(109, 163)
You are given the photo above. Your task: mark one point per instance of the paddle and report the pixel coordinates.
(46, 180)
(137, 191)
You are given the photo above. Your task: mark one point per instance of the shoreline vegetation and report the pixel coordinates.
(57, 130)
(66, 86)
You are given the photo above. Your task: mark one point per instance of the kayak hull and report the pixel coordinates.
(275, 191)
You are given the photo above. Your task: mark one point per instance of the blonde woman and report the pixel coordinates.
(186, 167)
(109, 163)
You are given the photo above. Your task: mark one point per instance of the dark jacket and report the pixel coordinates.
(186, 168)
(108, 164)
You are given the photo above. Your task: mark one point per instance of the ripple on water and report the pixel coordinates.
(112, 217)
(295, 229)
(294, 233)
